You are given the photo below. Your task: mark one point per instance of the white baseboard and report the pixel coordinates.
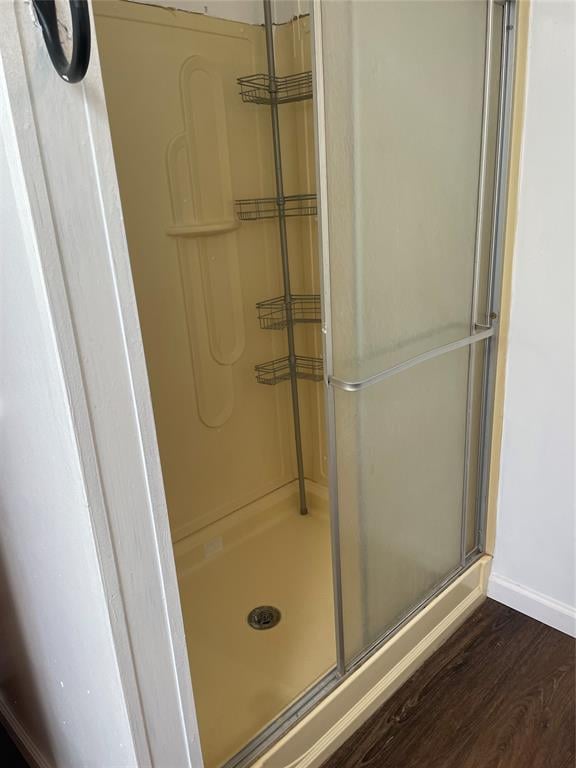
(322, 731)
(534, 604)
(19, 734)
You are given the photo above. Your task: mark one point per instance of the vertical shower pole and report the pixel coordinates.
(280, 201)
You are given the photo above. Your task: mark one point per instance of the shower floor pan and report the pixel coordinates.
(265, 554)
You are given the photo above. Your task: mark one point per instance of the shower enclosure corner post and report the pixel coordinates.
(329, 392)
(281, 204)
(497, 243)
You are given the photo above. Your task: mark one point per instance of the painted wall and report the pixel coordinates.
(534, 565)
(59, 680)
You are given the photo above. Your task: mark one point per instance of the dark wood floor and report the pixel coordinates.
(498, 694)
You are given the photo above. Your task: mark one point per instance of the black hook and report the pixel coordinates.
(74, 70)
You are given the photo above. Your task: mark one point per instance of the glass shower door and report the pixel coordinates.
(409, 99)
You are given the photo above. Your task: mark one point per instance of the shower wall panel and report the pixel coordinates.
(185, 148)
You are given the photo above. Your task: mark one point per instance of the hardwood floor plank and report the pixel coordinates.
(498, 694)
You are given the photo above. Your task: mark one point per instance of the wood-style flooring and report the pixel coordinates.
(498, 694)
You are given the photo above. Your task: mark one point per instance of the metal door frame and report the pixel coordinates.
(488, 335)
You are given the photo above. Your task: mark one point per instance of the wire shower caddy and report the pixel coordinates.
(275, 371)
(255, 208)
(267, 89)
(282, 312)
(273, 315)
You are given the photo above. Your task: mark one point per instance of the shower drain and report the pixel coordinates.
(264, 617)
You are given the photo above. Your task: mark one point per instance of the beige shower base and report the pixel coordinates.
(264, 554)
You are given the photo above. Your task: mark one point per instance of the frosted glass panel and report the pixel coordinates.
(403, 106)
(400, 457)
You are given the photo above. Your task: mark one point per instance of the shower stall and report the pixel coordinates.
(313, 195)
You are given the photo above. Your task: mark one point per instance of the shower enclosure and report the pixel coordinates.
(314, 202)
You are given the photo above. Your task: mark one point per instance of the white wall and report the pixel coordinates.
(59, 140)
(534, 565)
(59, 681)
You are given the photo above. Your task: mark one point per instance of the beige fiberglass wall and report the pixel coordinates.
(186, 147)
(403, 122)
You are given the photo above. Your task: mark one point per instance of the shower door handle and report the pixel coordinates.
(355, 386)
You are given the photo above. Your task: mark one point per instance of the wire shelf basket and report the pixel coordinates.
(275, 371)
(272, 312)
(263, 89)
(267, 207)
